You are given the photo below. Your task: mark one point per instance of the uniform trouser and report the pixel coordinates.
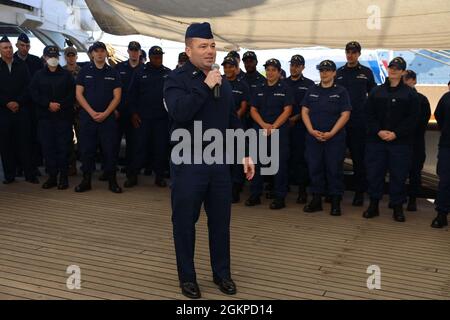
(36, 145)
(325, 164)
(125, 128)
(281, 177)
(443, 170)
(382, 157)
(356, 143)
(192, 186)
(106, 133)
(55, 136)
(155, 132)
(298, 166)
(15, 140)
(417, 161)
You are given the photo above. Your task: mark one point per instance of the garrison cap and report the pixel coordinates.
(24, 38)
(199, 30)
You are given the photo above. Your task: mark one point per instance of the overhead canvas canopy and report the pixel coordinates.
(270, 24)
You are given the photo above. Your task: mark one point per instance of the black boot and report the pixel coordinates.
(302, 196)
(314, 205)
(252, 201)
(63, 183)
(160, 182)
(335, 206)
(398, 213)
(412, 204)
(358, 199)
(85, 184)
(50, 183)
(235, 193)
(373, 210)
(112, 182)
(132, 180)
(278, 203)
(440, 221)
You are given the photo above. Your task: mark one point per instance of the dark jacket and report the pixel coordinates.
(442, 115)
(14, 85)
(394, 109)
(58, 86)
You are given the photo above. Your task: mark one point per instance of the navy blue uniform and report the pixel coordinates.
(189, 99)
(34, 63)
(394, 109)
(253, 80)
(418, 153)
(326, 159)
(442, 115)
(146, 99)
(297, 162)
(270, 102)
(241, 92)
(55, 128)
(99, 85)
(126, 72)
(15, 128)
(358, 81)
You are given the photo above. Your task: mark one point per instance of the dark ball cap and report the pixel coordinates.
(326, 65)
(143, 54)
(51, 51)
(24, 38)
(134, 45)
(298, 59)
(155, 50)
(249, 55)
(274, 63)
(410, 75)
(234, 54)
(199, 30)
(398, 62)
(4, 39)
(353, 46)
(230, 60)
(98, 45)
(183, 57)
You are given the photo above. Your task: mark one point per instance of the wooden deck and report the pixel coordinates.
(123, 245)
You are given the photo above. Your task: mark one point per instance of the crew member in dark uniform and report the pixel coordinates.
(298, 167)
(392, 119)
(53, 91)
(98, 92)
(237, 56)
(325, 111)
(359, 81)
(418, 154)
(188, 93)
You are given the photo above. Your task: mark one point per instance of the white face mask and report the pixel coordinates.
(53, 62)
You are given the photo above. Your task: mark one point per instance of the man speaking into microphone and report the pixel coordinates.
(197, 92)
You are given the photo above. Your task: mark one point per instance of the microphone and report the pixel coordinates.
(216, 89)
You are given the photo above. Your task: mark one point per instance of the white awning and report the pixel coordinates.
(270, 24)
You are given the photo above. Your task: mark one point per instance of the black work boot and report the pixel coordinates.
(358, 199)
(63, 183)
(398, 213)
(160, 181)
(335, 206)
(412, 204)
(315, 204)
(112, 182)
(253, 201)
(440, 221)
(277, 203)
(50, 183)
(85, 184)
(373, 209)
(132, 180)
(302, 196)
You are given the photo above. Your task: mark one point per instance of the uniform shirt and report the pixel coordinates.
(58, 86)
(358, 81)
(394, 109)
(126, 72)
(241, 74)
(13, 84)
(146, 92)
(254, 80)
(424, 115)
(99, 85)
(188, 98)
(241, 92)
(326, 106)
(33, 63)
(271, 100)
(442, 115)
(299, 88)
